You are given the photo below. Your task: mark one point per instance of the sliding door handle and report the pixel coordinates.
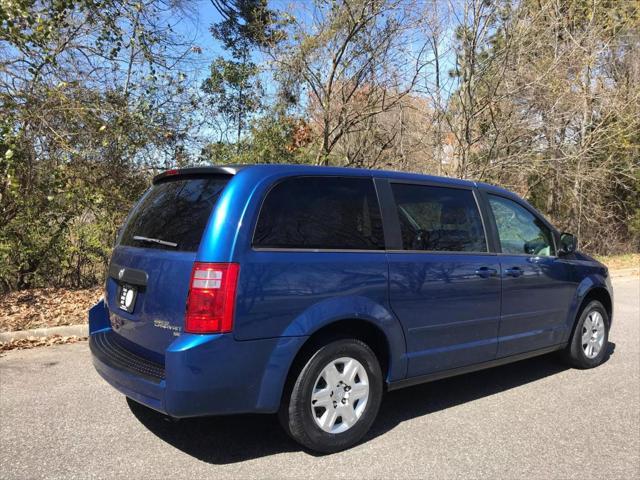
(514, 271)
(486, 272)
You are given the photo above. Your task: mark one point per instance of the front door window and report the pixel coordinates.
(521, 232)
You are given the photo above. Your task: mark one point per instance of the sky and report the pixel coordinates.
(207, 15)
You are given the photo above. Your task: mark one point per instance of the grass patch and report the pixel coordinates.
(617, 262)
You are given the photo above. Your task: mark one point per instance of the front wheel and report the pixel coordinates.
(335, 397)
(590, 338)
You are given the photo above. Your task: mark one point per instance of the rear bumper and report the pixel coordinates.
(142, 390)
(203, 374)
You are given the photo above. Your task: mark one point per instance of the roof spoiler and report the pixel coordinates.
(189, 171)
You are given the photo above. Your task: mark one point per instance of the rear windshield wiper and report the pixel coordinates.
(155, 240)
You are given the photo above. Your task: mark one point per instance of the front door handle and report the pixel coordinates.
(514, 271)
(486, 272)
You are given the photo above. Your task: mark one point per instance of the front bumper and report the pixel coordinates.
(201, 375)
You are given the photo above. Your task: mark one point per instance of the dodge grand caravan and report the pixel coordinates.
(310, 291)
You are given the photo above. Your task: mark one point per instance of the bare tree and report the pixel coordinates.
(351, 57)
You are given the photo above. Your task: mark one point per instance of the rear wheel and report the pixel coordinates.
(335, 397)
(589, 342)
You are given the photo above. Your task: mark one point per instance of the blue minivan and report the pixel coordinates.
(310, 291)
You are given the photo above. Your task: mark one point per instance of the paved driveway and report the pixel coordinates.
(535, 418)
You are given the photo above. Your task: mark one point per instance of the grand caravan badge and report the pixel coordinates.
(167, 326)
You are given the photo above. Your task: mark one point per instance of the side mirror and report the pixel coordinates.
(568, 244)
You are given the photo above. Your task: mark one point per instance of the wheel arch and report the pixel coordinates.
(349, 327)
(595, 292)
(600, 294)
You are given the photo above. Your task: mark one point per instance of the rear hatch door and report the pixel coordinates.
(149, 272)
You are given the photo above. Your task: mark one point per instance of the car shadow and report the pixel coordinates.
(235, 438)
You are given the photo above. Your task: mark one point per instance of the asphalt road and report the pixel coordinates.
(533, 419)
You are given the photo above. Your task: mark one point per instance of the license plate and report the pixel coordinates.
(127, 297)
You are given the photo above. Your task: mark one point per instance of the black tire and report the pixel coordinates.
(574, 354)
(296, 414)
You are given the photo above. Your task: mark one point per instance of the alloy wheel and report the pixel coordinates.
(593, 333)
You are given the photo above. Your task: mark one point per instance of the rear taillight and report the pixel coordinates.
(212, 295)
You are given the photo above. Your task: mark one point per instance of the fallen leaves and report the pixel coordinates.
(46, 307)
(32, 342)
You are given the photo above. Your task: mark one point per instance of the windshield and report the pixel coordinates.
(173, 214)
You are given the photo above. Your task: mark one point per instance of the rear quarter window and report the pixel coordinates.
(337, 213)
(174, 211)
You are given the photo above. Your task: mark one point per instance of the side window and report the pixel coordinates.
(438, 219)
(321, 212)
(520, 231)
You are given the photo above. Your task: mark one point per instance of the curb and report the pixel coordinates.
(64, 331)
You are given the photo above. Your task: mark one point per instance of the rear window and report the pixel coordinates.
(339, 213)
(173, 214)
